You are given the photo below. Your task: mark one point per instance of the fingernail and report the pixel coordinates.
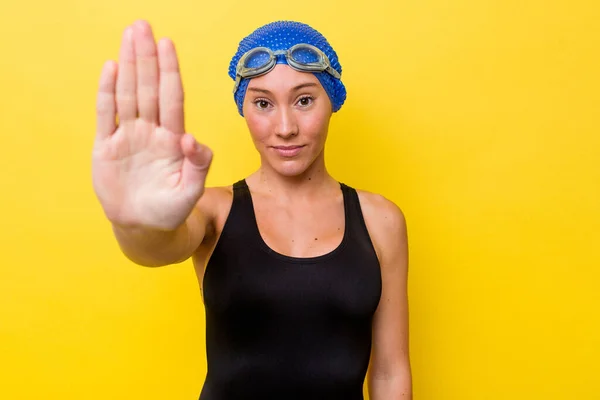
(142, 25)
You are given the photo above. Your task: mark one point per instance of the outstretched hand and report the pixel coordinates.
(147, 171)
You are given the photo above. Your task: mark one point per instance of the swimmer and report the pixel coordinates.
(303, 277)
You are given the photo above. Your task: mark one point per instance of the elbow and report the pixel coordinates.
(391, 385)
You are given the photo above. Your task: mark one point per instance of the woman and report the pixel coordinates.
(304, 278)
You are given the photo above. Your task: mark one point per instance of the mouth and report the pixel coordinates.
(288, 151)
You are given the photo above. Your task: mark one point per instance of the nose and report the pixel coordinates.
(286, 125)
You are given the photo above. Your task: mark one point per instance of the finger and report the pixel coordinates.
(171, 89)
(106, 110)
(147, 71)
(196, 163)
(126, 85)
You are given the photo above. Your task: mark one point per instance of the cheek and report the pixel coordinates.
(315, 124)
(258, 126)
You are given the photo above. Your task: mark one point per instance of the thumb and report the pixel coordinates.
(196, 164)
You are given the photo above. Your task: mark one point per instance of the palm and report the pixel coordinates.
(147, 171)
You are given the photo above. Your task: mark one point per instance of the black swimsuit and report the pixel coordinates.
(280, 327)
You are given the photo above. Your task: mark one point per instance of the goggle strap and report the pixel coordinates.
(238, 78)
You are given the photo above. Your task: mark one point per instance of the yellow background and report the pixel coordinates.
(479, 118)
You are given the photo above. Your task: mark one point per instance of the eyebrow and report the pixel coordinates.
(295, 88)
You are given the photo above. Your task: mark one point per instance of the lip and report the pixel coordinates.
(287, 151)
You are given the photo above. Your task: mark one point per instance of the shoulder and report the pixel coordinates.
(215, 195)
(381, 211)
(385, 222)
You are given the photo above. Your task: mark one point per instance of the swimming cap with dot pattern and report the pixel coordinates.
(281, 35)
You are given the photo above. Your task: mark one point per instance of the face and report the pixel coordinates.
(287, 113)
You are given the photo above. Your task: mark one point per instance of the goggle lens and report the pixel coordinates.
(305, 55)
(257, 59)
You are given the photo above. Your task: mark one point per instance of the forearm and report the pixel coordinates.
(154, 248)
(391, 388)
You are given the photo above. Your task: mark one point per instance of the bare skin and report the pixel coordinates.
(149, 176)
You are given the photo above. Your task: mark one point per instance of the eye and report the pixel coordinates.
(262, 104)
(305, 101)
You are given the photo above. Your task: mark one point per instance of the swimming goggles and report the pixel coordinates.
(301, 57)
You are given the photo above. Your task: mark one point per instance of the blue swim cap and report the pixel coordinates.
(281, 35)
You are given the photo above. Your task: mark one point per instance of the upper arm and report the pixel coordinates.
(201, 225)
(388, 231)
(214, 207)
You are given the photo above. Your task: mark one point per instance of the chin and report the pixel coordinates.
(290, 168)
